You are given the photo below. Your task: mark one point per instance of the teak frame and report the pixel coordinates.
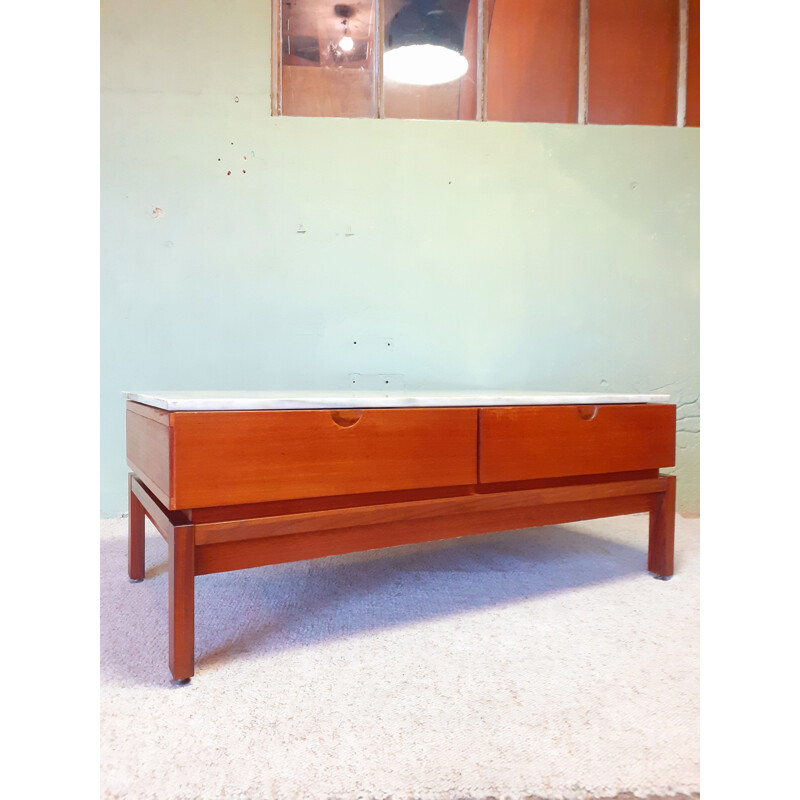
(220, 539)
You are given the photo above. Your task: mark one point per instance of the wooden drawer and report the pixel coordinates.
(227, 457)
(527, 442)
(148, 442)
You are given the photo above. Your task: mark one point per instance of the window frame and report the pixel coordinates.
(481, 115)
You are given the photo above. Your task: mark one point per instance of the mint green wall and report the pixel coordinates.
(492, 255)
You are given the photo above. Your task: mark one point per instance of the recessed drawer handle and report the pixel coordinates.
(346, 417)
(587, 412)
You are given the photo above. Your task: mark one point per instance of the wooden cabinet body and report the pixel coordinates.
(232, 489)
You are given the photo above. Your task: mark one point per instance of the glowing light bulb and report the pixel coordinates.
(346, 44)
(424, 64)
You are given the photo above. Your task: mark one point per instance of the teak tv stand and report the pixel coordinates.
(241, 480)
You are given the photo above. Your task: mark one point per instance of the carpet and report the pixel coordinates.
(537, 663)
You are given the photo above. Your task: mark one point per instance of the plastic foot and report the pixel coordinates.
(663, 577)
(181, 682)
(136, 580)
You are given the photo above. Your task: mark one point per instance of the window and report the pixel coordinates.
(580, 61)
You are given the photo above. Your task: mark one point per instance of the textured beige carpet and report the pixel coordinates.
(545, 662)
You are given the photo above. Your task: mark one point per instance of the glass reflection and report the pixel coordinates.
(429, 68)
(328, 58)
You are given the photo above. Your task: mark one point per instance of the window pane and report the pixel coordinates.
(328, 58)
(430, 59)
(532, 68)
(633, 62)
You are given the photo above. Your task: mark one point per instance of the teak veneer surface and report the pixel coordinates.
(248, 553)
(303, 505)
(417, 510)
(148, 446)
(226, 458)
(218, 459)
(524, 442)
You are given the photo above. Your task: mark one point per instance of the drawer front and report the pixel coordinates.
(147, 435)
(227, 457)
(523, 443)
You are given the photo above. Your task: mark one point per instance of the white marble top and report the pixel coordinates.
(254, 401)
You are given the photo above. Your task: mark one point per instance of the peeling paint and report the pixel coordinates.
(158, 213)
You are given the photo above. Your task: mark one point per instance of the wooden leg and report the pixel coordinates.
(135, 535)
(181, 602)
(660, 555)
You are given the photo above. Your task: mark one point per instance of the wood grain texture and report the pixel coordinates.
(417, 510)
(179, 534)
(266, 487)
(306, 504)
(226, 458)
(693, 67)
(181, 601)
(633, 61)
(661, 550)
(136, 517)
(525, 442)
(148, 447)
(162, 518)
(245, 554)
(532, 69)
(567, 480)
